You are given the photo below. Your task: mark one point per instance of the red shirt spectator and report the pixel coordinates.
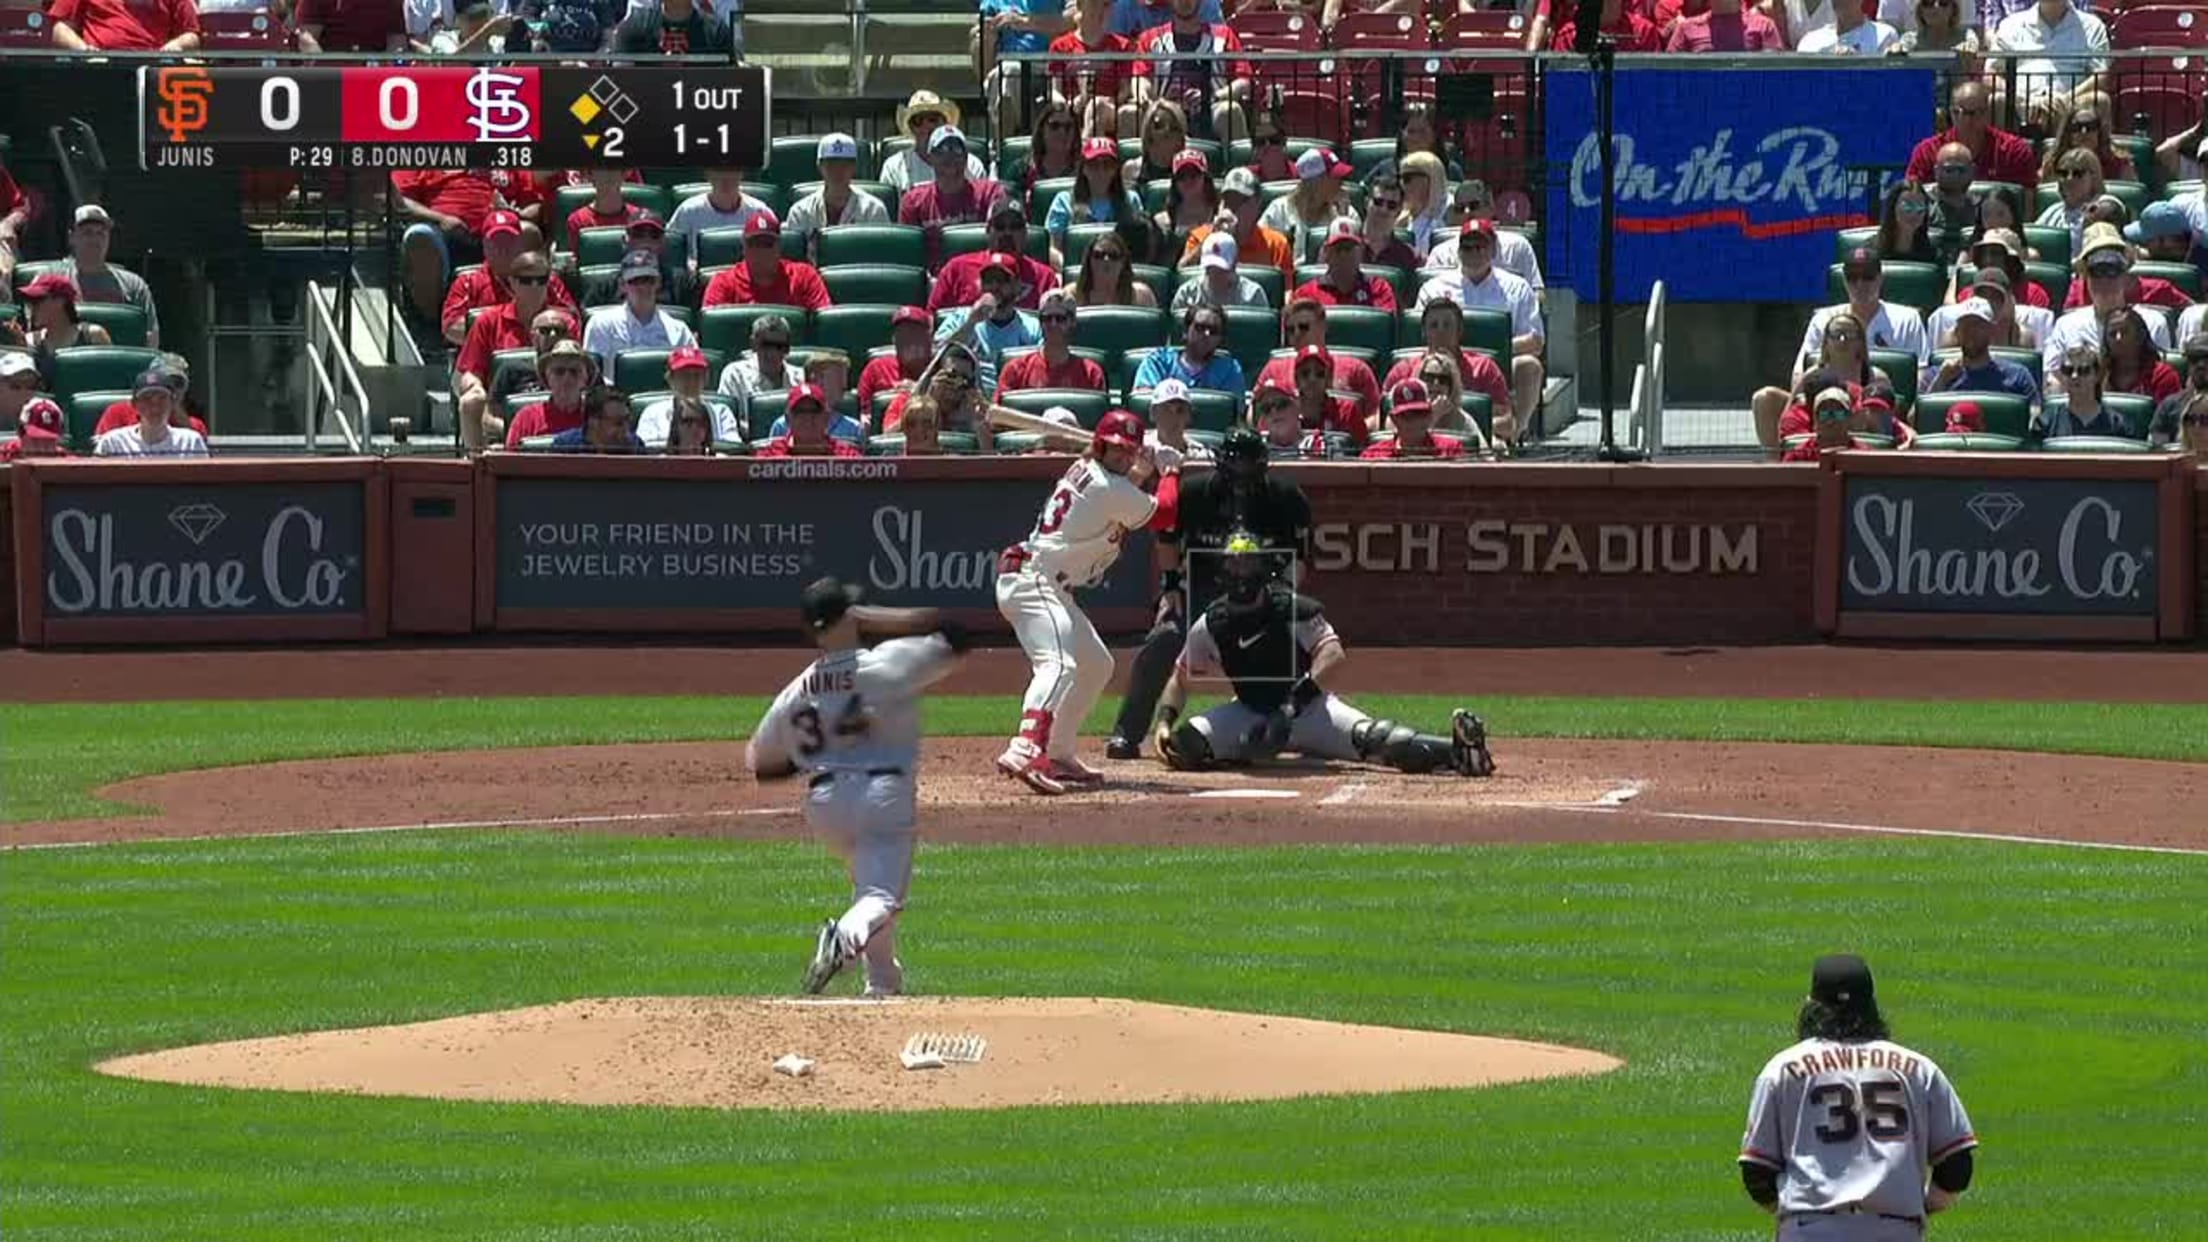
(1476, 370)
(477, 287)
(1742, 30)
(351, 25)
(1105, 77)
(40, 424)
(1219, 39)
(525, 192)
(2157, 383)
(124, 414)
(2145, 291)
(502, 328)
(581, 176)
(542, 418)
(780, 447)
(1370, 291)
(119, 26)
(1033, 371)
(1666, 13)
(1437, 445)
(12, 198)
(912, 333)
(959, 283)
(934, 206)
(1999, 154)
(465, 195)
(588, 216)
(794, 284)
(1350, 375)
(1633, 32)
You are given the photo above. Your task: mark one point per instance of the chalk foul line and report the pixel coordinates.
(536, 821)
(1885, 830)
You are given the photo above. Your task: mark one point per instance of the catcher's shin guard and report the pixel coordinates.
(1146, 678)
(1400, 747)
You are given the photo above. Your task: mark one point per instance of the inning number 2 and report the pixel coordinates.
(1882, 1110)
(851, 722)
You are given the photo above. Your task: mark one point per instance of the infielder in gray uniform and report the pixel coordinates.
(1843, 1125)
(851, 724)
(1277, 650)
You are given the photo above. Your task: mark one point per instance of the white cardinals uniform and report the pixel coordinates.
(851, 722)
(1075, 541)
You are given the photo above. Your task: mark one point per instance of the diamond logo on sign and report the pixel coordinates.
(196, 522)
(1995, 510)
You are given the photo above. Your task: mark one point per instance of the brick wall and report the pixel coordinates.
(1477, 555)
(7, 559)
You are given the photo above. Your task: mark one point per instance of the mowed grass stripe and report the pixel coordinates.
(2026, 973)
(53, 756)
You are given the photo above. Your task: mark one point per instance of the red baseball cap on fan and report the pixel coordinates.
(912, 314)
(1099, 149)
(806, 392)
(40, 420)
(688, 358)
(763, 222)
(1309, 352)
(501, 223)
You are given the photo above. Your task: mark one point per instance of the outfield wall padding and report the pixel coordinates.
(2019, 546)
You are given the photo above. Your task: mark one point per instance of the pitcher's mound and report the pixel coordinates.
(717, 1052)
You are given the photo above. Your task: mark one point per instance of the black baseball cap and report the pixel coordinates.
(825, 601)
(1841, 979)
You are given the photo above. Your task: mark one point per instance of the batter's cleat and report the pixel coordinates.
(1074, 772)
(1024, 763)
(829, 957)
(1120, 748)
(1468, 744)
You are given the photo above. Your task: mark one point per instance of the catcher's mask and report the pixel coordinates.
(1244, 566)
(1242, 457)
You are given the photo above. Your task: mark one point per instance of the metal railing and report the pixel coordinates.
(1646, 434)
(334, 391)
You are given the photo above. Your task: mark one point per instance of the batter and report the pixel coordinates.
(1277, 650)
(1843, 1125)
(851, 724)
(1077, 537)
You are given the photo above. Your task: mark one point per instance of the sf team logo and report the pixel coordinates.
(184, 95)
(498, 109)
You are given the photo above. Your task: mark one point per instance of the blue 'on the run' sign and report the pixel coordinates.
(1731, 182)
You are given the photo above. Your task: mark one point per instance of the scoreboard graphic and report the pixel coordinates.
(452, 117)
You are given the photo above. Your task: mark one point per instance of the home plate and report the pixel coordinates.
(1244, 793)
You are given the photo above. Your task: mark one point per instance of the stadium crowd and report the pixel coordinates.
(1188, 234)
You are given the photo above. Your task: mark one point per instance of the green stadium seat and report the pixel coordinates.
(1900, 366)
(1214, 155)
(796, 157)
(512, 363)
(1012, 158)
(1966, 442)
(727, 329)
(83, 410)
(536, 444)
(1252, 333)
(1919, 285)
(1122, 376)
(1241, 154)
(2006, 414)
(1270, 192)
(1039, 198)
(957, 443)
(719, 248)
(605, 277)
(1082, 236)
(774, 195)
(639, 370)
(88, 368)
(871, 243)
(1117, 329)
(27, 272)
(1846, 241)
(1361, 327)
(2184, 275)
(125, 324)
(1208, 408)
(762, 410)
(602, 247)
(876, 283)
(1154, 194)
(1265, 276)
(856, 329)
(1366, 154)
(2136, 409)
(1087, 406)
(1485, 328)
(569, 199)
(961, 239)
(1018, 443)
(1480, 408)
(2093, 444)
(2050, 242)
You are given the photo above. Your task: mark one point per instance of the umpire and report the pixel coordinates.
(1240, 494)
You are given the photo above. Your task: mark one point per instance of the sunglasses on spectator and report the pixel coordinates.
(1844, 334)
(1387, 204)
(1860, 278)
(1109, 256)
(923, 121)
(2076, 372)
(1203, 327)
(1832, 414)
(2106, 270)
(2076, 174)
(770, 343)
(1935, 4)
(1955, 170)
(641, 280)
(532, 279)
(1434, 379)
(547, 329)
(2085, 122)
(1301, 327)
(557, 371)
(1057, 317)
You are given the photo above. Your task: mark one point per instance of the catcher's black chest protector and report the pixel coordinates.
(1257, 645)
(1277, 512)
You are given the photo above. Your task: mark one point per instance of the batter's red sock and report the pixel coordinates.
(1035, 727)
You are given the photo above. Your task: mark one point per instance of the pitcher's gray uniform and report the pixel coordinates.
(1851, 1126)
(851, 724)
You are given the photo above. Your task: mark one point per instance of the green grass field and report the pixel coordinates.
(2060, 988)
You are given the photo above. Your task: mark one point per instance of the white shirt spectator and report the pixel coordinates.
(1170, 458)
(1513, 254)
(810, 213)
(1893, 327)
(1500, 291)
(741, 378)
(130, 441)
(2071, 50)
(697, 213)
(2083, 327)
(1804, 16)
(1939, 329)
(718, 10)
(908, 168)
(612, 329)
(1868, 39)
(2189, 321)
(1196, 291)
(2195, 207)
(657, 418)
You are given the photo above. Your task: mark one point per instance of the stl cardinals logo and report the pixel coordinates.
(184, 95)
(501, 114)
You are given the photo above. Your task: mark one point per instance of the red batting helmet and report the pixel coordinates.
(1118, 427)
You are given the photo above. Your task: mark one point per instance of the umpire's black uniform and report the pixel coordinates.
(1238, 495)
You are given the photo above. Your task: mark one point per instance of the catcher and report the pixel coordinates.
(1278, 650)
